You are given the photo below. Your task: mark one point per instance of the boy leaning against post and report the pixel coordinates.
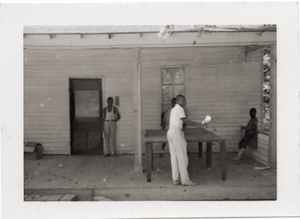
(111, 117)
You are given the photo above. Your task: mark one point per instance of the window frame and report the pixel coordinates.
(186, 68)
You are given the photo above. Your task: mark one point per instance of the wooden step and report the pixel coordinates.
(32, 197)
(101, 198)
(68, 197)
(43, 198)
(55, 198)
(64, 198)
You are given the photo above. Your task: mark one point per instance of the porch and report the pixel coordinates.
(114, 178)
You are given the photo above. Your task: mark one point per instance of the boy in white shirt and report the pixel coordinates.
(165, 123)
(178, 144)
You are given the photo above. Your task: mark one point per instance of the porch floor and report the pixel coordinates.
(114, 178)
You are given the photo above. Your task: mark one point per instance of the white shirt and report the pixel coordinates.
(177, 113)
(110, 115)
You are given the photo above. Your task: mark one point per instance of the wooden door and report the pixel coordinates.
(86, 116)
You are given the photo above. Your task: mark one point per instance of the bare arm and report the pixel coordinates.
(191, 123)
(104, 116)
(118, 114)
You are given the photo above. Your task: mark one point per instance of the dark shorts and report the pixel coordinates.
(245, 141)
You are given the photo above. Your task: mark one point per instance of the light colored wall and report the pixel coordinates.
(220, 84)
(46, 92)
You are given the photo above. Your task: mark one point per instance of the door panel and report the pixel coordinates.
(92, 141)
(86, 116)
(86, 104)
(79, 143)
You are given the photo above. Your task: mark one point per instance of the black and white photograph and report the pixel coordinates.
(98, 99)
(121, 115)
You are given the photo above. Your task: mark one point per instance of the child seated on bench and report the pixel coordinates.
(250, 133)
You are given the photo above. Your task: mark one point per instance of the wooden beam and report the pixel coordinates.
(151, 40)
(143, 29)
(254, 49)
(260, 33)
(232, 33)
(137, 109)
(273, 110)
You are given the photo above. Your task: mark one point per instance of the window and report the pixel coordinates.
(172, 84)
(87, 103)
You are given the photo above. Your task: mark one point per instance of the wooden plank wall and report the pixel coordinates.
(261, 154)
(220, 84)
(46, 92)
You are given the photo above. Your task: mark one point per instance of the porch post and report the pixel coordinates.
(138, 167)
(272, 161)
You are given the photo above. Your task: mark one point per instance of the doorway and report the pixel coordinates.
(86, 116)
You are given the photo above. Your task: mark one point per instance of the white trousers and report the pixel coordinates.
(178, 151)
(110, 137)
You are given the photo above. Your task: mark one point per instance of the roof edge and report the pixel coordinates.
(144, 29)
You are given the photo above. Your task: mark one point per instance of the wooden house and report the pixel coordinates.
(69, 72)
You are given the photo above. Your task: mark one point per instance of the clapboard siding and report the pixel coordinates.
(220, 83)
(46, 92)
(262, 153)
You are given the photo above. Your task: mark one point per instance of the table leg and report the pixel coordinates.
(199, 149)
(223, 159)
(149, 161)
(208, 154)
(152, 158)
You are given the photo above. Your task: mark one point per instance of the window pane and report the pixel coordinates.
(179, 76)
(166, 93)
(167, 76)
(179, 89)
(87, 103)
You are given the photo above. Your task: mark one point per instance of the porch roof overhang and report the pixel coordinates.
(115, 29)
(146, 36)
